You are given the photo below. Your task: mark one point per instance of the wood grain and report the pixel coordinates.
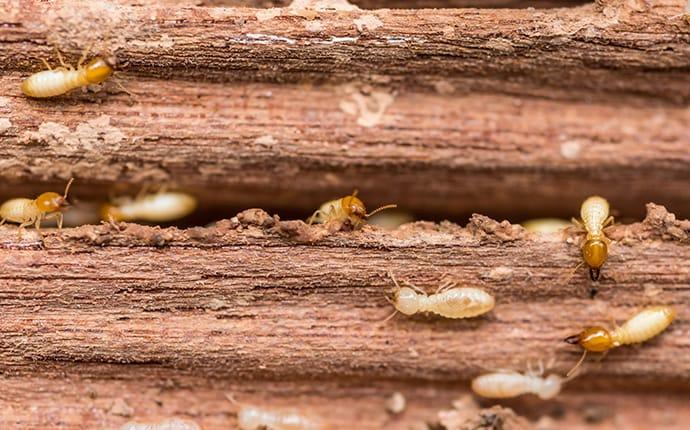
(619, 48)
(292, 147)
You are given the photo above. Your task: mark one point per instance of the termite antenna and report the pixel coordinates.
(67, 187)
(355, 192)
(389, 317)
(380, 209)
(231, 398)
(579, 363)
(570, 275)
(574, 373)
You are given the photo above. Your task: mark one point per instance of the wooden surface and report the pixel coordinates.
(513, 113)
(255, 299)
(616, 49)
(295, 146)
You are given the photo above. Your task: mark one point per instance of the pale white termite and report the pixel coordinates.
(643, 326)
(158, 207)
(595, 217)
(27, 211)
(173, 424)
(448, 301)
(55, 82)
(503, 385)
(255, 418)
(545, 225)
(347, 208)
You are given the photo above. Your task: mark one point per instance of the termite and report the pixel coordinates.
(595, 217)
(545, 225)
(645, 325)
(448, 301)
(27, 211)
(503, 385)
(254, 418)
(55, 82)
(174, 424)
(347, 208)
(158, 207)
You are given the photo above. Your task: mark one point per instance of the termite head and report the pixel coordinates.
(594, 252)
(406, 301)
(354, 207)
(111, 213)
(594, 339)
(98, 70)
(53, 202)
(550, 387)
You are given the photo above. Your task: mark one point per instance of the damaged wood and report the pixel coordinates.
(148, 394)
(258, 297)
(614, 47)
(296, 146)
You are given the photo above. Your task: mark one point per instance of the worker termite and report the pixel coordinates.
(27, 211)
(254, 418)
(503, 385)
(448, 301)
(174, 424)
(545, 225)
(158, 207)
(55, 82)
(347, 208)
(643, 326)
(595, 217)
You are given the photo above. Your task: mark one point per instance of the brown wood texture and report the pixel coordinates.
(258, 299)
(513, 113)
(295, 146)
(620, 48)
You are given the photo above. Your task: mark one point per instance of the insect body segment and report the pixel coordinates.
(503, 385)
(158, 207)
(254, 418)
(349, 208)
(595, 216)
(27, 211)
(55, 82)
(448, 301)
(640, 328)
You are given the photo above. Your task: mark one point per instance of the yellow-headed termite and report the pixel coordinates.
(643, 326)
(158, 207)
(27, 211)
(545, 225)
(174, 424)
(347, 208)
(448, 301)
(55, 82)
(595, 216)
(507, 384)
(254, 418)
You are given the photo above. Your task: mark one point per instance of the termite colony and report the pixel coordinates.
(448, 301)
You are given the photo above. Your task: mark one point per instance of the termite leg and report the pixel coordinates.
(83, 55)
(414, 287)
(446, 285)
(59, 215)
(608, 222)
(577, 223)
(22, 226)
(45, 62)
(311, 218)
(2, 221)
(62, 62)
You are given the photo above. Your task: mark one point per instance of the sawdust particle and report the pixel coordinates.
(369, 22)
